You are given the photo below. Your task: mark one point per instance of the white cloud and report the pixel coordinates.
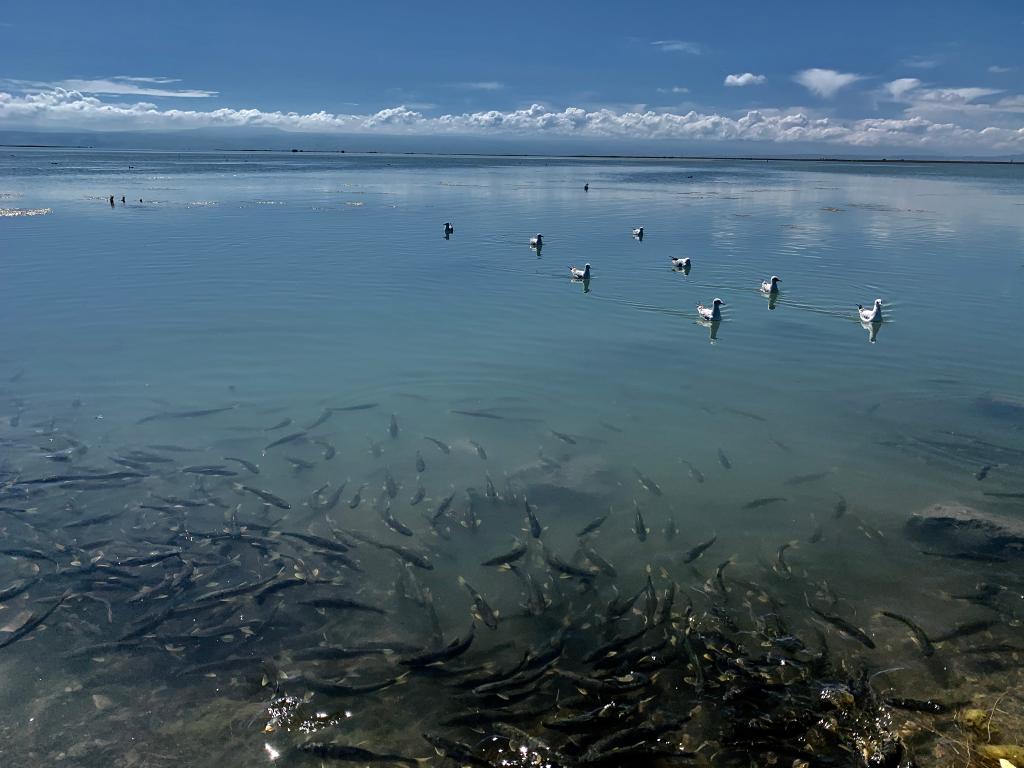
(1011, 103)
(995, 69)
(147, 79)
(921, 62)
(61, 108)
(747, 78)
(119, 85)
(898, 88)
(825, 82)
(953, 97)
(674, 89)
(486, 85)
(679, 45)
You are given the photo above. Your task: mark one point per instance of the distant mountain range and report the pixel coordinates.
(209, 139)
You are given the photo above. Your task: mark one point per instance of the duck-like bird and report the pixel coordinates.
(712, 313)
(873, 315)
(770, 286)
(580, 274)
(537, 242)
(681, 263)
(638, 233)
(448, 228)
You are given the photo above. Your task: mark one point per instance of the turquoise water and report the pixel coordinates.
(280, 285)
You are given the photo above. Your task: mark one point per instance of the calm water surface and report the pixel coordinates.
(282, 285)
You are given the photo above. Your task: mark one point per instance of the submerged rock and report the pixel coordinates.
(959, 528)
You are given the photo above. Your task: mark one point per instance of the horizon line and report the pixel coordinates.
(528, 155)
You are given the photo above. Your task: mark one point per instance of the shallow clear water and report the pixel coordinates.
(280, 285)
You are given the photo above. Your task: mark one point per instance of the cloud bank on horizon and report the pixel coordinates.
(62, 108)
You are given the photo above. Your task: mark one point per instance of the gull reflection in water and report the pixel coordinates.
(712, 326)
(773, 299)
(872, 329)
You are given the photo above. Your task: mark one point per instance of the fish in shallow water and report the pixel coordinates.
(249, 466)
(96, 520)
(421, 465)
(343, 603)
(266, 496)
(33, 622)
(763, 502)
(390, 486)
(299, 464)
(699, 550)
(564, 437)
(781, 567)
(511, 556)
(411, 556)
(649, 485)
(695, 473)
(723, 459)
(186, 414)
(844, 626)
(983, 472)
(454, 649)
(479, 414)
(291, 438)
(393, 522)
(329, 450)
(803, 479)
(418, 496)
(639, 527)
(561, 566)
(280, 425)
(324, 416)
(534, 523)
(393, 427)
(670, 528)
(965, 630)
(211, 470)
(330, 688)
(593, 525)
(360, 407)
(599, 562)
(922, 640)
(916, 705)
(479, 449)
(491, 490)
(329, 503)
(748, 414)
(357, 499)
(443, 447)
(482, 610)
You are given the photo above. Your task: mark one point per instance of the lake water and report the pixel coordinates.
(283, 286)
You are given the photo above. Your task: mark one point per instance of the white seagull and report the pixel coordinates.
(712, 313)
(683, 263)
(537, 242)
(770, 286)
(580, 274)
(638, 232)
(448, 228)
(873, 315)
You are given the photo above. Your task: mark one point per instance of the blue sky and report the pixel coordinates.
(944, 78)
